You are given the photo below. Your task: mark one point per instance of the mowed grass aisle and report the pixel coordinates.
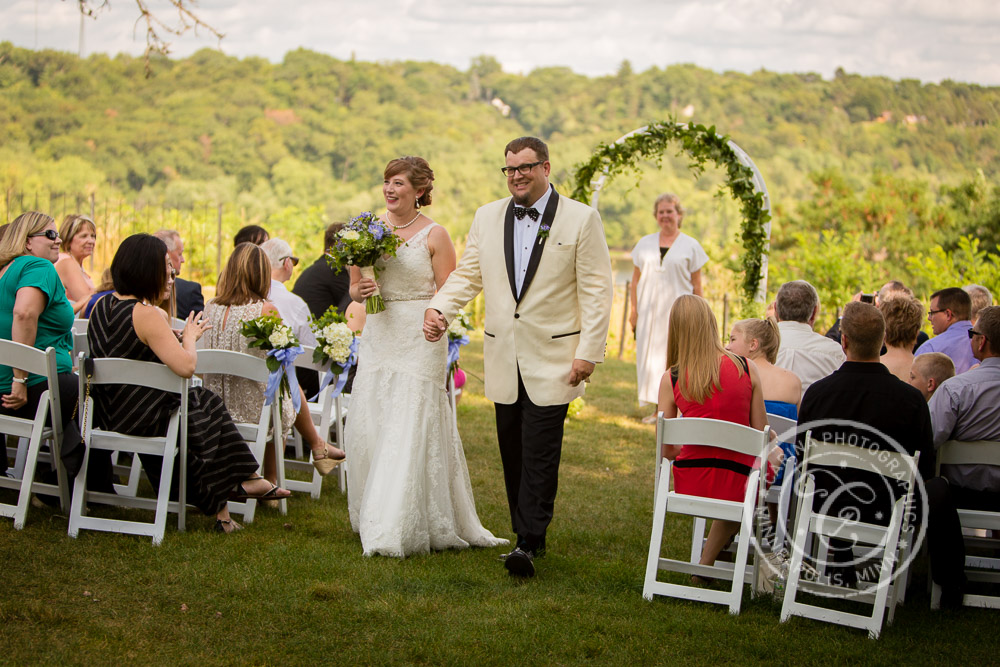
(295, 590)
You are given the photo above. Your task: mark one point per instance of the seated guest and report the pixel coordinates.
(862, 402)
(949, 316)
(220, 466)
(929, 371)
(704, 380)
(967, 408)
(34, 311)
(903, 317)
(254, 234)
(981, 297)
(79, 236)
(890, 290)
(321, 286)
(241, 295)
(187, 294)
(809, 355)
(105, 287)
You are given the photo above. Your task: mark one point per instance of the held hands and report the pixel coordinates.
(580, 372)
(17, 398)
(195, 326)
(434, 325)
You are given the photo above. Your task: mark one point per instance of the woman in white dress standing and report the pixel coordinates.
(667, 265)
(409, 489)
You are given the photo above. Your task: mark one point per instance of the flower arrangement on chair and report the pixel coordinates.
(270, 333)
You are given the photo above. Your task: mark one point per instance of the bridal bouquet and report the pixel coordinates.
(458, 335)
(269, 333)
(337, 346)
(361, 243)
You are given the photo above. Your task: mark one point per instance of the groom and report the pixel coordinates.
(542, 263)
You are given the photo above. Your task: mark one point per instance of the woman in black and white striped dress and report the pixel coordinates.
(124, 324)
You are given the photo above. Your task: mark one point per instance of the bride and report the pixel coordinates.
(409, 488)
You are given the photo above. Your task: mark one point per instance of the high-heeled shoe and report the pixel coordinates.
(324, 461)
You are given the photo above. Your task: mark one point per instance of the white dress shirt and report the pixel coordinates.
(811, 356)
(293, 311)
(525, 234)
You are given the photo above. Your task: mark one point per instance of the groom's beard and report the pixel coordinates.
(524, 200)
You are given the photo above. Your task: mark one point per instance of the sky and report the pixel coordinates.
(929, 40)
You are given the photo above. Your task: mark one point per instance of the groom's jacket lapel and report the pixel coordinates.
(536, 251)
(508, 246)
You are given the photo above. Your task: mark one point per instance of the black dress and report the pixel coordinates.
(218, 457)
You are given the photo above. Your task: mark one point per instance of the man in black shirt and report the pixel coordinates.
(321, 286)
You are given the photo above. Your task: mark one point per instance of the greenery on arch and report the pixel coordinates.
(701, 144)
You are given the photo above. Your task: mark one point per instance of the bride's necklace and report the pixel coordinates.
(398, 227)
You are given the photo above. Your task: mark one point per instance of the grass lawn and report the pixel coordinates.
(295, 590)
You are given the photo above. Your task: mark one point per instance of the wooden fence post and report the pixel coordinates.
(621, 339)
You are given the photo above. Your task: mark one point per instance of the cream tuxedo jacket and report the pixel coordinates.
(564, 307)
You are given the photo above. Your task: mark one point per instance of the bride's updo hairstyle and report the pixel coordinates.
(417, 171)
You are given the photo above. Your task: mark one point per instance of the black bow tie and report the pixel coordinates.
(521, 211)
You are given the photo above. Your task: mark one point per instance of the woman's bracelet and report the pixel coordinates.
(23, 381)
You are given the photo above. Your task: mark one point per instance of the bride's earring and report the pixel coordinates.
(416, 204)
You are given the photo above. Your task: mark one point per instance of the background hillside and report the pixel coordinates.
(869, 178)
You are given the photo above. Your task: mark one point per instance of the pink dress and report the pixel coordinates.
(86, 278)
(713, 472)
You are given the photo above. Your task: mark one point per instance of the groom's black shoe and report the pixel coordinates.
(520, 563)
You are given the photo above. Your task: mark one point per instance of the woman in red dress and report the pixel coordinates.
(704, 380)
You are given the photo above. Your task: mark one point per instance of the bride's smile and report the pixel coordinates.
(400, 196)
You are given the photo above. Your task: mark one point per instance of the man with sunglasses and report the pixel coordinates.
(542, 263)
(949, 317)
(966, 408)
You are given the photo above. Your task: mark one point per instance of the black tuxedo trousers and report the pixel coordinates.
(530, 439)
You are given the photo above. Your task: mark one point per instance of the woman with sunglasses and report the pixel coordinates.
(34, 311)
(79, 236)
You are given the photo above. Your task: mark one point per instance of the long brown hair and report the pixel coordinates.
(16, 235)
(246, 277)
(694, 348)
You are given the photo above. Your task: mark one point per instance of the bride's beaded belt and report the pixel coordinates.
(419, 297)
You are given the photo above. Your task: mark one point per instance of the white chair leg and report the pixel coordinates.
(656, 538)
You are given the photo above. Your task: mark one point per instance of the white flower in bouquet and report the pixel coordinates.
(350, 235)
(456, 329)
(279, 337)
(337, 338)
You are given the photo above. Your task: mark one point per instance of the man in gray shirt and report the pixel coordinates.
(967, 408)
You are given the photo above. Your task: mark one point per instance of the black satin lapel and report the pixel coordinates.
(508, 246)
(536, 252)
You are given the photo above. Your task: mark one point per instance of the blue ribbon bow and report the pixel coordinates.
(453, 349)
(352, 358)
(286, 357)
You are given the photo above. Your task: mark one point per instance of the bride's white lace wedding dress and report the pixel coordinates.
(408, 489)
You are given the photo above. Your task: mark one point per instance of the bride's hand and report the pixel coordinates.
(367, 287)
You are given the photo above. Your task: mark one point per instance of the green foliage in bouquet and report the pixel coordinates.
(269, 332)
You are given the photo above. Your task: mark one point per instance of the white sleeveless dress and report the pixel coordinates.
(409, 489)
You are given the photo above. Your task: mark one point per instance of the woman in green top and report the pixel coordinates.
(34, 311)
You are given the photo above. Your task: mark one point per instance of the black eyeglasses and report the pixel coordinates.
(935, 312)
(522, 169)
(973, 332)
(50, 234)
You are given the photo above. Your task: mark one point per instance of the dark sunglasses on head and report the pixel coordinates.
(973, 332)
(50, 234)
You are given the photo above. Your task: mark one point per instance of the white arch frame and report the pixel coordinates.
(758, 185)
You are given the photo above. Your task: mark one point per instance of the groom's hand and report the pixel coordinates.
(581, 371)
(434, 325)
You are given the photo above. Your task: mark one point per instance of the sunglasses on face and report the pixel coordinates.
(295, 260)
(50, 234)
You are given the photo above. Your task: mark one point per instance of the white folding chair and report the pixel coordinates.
(327, 413)
(31, 433)
(978, 568)
(80, 343)
(781, 494)
(171, 445)
(238, 364)
(813, 529)
(715, 433)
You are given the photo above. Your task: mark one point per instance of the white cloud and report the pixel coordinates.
(899, 39)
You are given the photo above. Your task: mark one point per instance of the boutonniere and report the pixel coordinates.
(543, 232)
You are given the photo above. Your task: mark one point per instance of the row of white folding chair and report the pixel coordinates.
(46, 426)
(327, 412)
(813, 529)
(170, 446)
(725, 435)
(977, 568)
(781, 494)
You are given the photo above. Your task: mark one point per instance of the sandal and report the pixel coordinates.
(227, 526)
(325, 464)
(271, 494)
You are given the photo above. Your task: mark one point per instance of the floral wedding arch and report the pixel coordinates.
(701, 144)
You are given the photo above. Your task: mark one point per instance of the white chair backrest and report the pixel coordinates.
(140, 373)
(896, 465)
(227, 362)
(714, 433)
(978, 452)
(80, 326)
(177, 323)
(305, 360)
(33, 360)
(783, 427)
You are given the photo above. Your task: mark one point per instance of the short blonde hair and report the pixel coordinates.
(937, 365)
(16, 234)
(765, 332)
(71, 226)
(903, 318)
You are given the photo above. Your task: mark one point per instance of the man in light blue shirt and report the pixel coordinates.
(949, 317)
